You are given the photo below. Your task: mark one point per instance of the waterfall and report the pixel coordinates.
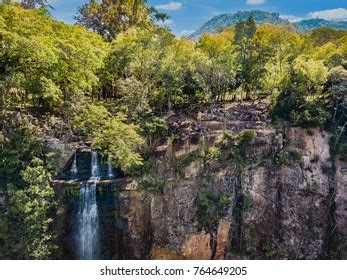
(110, 173)
(88, 221)
(95, 167)
(74, 169)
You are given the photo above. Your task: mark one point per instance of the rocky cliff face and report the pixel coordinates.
(287, 202)
(286, 195)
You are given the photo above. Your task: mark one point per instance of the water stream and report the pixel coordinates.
(110, 173)
(88, 221)
(74, 169)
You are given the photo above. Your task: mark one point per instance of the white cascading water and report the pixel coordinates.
(95, 167)
(88, 233)
(74, 169)
(110, 173)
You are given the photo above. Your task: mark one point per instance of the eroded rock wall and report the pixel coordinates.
(291, 202)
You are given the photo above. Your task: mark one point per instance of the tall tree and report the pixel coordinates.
(32, 4)
(111, 17)
(250, 56)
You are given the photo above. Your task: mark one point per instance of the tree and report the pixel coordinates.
(135, 95)
(45, 64)
(25, 175)
(216, 73)
(20, 145)
(111, 17)
(303, 99)
(283, 45)
(217, 45)
(175, 66)
(216, 78)
(251, 57)
(337, 83)
(29, 210)
(32, 4)
(135, 55)
(154, 129)
(116, 139)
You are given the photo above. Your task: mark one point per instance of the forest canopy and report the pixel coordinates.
(137, 72)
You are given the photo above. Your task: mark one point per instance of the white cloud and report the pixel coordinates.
(291, 18)
(167, 22)
(172, 6)
(333, 14)
(185, 33)
(255, 2)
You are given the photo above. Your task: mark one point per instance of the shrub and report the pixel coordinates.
(281, 159)
(211, 208)
(186, 161)
(268, 250)
(295, 154)
(112, 135)
(302, 99)
(212, 155)
(151, 182)
(238, 146)
(244, 205)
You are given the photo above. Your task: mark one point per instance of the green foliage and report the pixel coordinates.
(119, 140)
(152, 182)
(212, 155)
(177, 83)
(31, 4)
(296, 155)
(222, 21)
(251, 55)
(268, 250)
(234, 148)
(29, 218)
(90, 119)
(187, 160)
(244, 205)
(211, 208)
(153, 129)
(338, 144)
(111, 17)
(281, 159)
(116, 139)
(19, 147)
(26, 174)
(244, 141)
(142, 73)
(338, 83)
(238, 146)
(303, 100)
(135, 95)
(131, 70)
(141, 170)
(45, 63)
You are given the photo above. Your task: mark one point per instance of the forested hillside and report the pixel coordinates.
(114, 85)
(222, 21)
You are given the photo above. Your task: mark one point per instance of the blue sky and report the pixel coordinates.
(188, 15)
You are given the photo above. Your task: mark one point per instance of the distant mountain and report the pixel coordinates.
(309, 24)
(222, 21)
